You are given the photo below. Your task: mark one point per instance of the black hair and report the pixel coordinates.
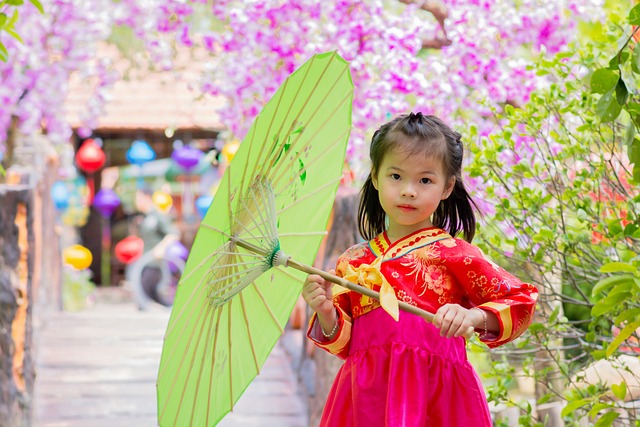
(430, 136)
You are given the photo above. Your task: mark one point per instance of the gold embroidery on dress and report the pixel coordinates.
(428, 271)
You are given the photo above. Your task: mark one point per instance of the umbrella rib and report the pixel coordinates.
(284, 170)
(251, 343)
(269, 164)
(263, 216)
(317, 132)
(213, 360)
(308, 195)
(193, 358)
(310, 233)
(230, 358)
(204, 354)
(196, 288)
(175, 378)
(250, 148)
(239, 282)
(306, 101)
(268, 307)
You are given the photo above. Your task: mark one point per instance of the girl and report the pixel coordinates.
(409, 372)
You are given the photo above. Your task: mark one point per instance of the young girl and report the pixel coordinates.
(410, 372)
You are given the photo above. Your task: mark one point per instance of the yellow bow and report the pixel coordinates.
(370, 275)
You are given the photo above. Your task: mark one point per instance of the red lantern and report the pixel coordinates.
(129, 249)
(90, 157)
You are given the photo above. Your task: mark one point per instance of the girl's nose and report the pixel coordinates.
(408, 191)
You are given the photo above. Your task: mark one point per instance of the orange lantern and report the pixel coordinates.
(129, 249)
(77, 256)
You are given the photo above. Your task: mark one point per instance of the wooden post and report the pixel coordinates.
(16, 270)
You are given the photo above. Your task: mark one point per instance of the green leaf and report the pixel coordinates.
(609, 282)
(623, 335)
(4, 55)
(607, 304)
(635, 61)
(603, 80)
(621, 92)
(598, 407)
(627, 315)
(607, 419)
(608, 108)
(38, 5)
(3, 20)
(15, 35)
(572, 406)
(619, 390)
(634, 15)
(15, 2)
(630, 133)
(617, 267)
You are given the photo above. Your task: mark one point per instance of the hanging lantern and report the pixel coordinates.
(187, 157)
(90, 157)
(140, 152)
(176, 250)
(106, 201)
(60, 195)
(229, 150)
(77, 256)
(129, 249)
(202, 205)
(162, 200)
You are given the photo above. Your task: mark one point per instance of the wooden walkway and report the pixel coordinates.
(97, 368)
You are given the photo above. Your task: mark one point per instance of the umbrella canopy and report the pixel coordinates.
(232, 304)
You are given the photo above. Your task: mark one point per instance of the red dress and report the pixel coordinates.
(403, 373)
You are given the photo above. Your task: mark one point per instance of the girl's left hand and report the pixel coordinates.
(454, 320)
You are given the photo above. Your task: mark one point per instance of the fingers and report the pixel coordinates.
(453, 320)
(317, 293)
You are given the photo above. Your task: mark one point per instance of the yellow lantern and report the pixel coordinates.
(229, 150)
(162, 200)
(77, 256)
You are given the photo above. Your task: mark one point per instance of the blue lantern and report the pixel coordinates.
(202, 205)
(60, 195)
(140, 152)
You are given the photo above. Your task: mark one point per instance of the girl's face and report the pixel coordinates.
(410, 189)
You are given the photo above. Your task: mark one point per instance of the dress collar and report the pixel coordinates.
(381, 246)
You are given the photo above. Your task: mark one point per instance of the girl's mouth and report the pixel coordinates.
(406, 207)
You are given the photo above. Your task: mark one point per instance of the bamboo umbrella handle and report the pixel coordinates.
(364, 291)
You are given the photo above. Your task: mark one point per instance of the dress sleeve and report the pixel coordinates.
(491, 288)
(339, 344)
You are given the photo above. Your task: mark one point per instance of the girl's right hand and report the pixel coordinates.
(318, 293)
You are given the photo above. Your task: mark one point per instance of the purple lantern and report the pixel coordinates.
(187, 157)
(106, 201)
(176, 251)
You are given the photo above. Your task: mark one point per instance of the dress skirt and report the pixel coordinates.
(404, 374)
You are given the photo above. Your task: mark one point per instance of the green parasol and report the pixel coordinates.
(278, 191)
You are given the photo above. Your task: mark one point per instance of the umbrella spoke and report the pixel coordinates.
(251, 343)
(266, 166)
(308, 195)
(317, 159)
(176, 371)
(292, 159)
(268, 307)
(213, 361)
(202, 362)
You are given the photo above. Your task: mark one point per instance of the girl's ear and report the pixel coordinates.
(448, 189)
(374, 180)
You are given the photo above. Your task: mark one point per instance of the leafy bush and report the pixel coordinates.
(564, 170)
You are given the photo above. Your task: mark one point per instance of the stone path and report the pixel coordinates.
(97, 368)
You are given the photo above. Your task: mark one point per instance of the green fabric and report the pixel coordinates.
(294, 149)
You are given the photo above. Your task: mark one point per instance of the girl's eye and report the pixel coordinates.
(425, 180)
(395, 176)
